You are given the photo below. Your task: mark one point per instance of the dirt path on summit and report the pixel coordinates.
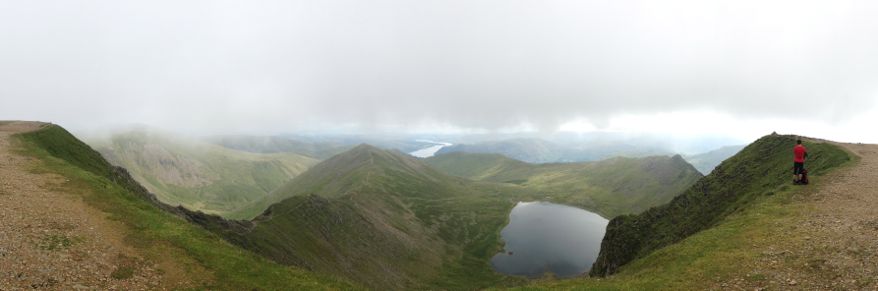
(51, 239)
(834, 246)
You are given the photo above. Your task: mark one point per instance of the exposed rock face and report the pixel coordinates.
(617, 246)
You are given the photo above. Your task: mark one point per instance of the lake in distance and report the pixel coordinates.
(545, 237)
(431, 150)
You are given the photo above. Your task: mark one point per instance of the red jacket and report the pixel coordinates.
(799, 153)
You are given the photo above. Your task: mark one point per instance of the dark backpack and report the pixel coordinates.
(804, 180)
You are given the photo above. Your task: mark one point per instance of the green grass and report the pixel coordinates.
(387, 221)
(390, 221)
(187, 250)
(713, 255)
(762, 215)
(54, 242)
(122, 273)
(610, 187)
(757, 170)
(723, 251)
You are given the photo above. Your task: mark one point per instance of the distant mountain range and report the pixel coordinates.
(318, 147)
(535, 150)
(706, 162)
(277, 144)
(609, 187)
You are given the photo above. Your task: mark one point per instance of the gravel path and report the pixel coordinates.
(51, 239)
(842, 241)
(834, 245)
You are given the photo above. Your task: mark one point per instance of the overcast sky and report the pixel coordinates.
(743, 68)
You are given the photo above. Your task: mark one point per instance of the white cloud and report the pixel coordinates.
(494, 65)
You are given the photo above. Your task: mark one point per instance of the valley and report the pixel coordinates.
(383, 219)
(198, 175)
(384, 214)
(438, 145)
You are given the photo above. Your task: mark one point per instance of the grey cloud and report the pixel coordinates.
(286, 65)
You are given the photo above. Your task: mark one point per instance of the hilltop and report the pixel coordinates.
(367, 214)
(388, 220)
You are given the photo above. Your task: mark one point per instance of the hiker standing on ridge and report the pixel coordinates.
(799, 155)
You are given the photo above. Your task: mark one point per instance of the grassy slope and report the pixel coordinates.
(208, 261)
(201, 176)
(389, 220)
(757, 170)
(386, 220)
(723, 251)
(610, 187)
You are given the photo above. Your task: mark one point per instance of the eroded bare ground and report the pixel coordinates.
(834, 246)
(50, 239)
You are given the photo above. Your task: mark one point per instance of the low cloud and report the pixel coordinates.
(297, 65)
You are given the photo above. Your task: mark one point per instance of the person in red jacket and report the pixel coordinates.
(799, 155)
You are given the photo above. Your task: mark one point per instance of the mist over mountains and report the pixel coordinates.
(528, 147)
(398, 145)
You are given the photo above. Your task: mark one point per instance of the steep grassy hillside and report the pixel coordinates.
(386, 220)
(706, 162)
(758, 170)
(201, 176)
(390, 221)
(610, 187)
(207, 261)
